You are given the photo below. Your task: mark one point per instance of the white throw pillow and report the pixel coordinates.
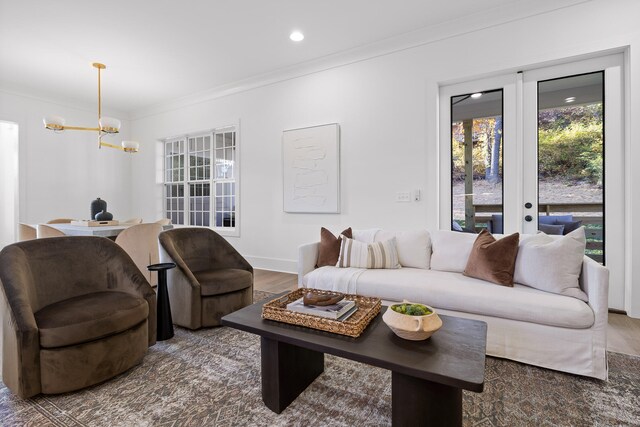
(372, 255)
(451, 250)
(414, 247)
(552, 265)
(366, 236)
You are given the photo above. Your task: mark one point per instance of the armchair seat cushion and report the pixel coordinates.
(223, 280)
(89, 317)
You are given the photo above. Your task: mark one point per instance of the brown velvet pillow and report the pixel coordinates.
(330, 247)
(493, 260)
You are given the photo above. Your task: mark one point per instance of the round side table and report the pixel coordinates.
(163, 310)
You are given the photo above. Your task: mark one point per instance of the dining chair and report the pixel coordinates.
(26, 232)
(163, 221)
(131, 221)
(76, 312)
(47, 231)
(59, 221)
(140, 241)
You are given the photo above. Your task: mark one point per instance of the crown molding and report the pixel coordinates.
(64, 103)
(446, 30)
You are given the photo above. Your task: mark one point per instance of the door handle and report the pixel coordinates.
(528, 218)
(528, 205)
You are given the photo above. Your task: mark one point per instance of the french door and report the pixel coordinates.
(536, 150)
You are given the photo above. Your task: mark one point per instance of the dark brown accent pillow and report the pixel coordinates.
(493, 260)
(330, 247)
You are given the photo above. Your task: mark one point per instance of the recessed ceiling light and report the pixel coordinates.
(476, 95)
(570, 99)
(296, 36)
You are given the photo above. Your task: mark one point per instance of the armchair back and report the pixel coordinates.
(200, 249)
(56, 269)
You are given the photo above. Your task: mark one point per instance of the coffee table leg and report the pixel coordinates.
(416, 402)
(286, 371)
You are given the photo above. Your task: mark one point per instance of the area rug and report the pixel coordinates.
(211, 377)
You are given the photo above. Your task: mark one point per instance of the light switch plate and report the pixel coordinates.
(403, 196)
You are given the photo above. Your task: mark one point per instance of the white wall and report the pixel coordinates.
(387, 110)
(61, 173)
(8, 182)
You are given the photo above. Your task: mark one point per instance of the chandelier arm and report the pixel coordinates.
(118, 147)
(80, 128)
(106, 144)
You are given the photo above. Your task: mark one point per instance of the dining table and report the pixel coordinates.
(110, 231)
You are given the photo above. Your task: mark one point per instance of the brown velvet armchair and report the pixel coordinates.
(76, 312)
(211, 279)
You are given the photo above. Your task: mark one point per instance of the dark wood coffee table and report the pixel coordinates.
(427, 376)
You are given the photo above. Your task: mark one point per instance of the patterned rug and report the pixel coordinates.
(211, 377)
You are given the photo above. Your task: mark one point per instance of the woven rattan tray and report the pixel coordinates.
(368, 308)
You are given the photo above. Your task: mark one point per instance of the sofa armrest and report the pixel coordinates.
(594, 281)
(307, 259)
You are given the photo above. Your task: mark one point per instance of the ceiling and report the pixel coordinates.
(158, 51)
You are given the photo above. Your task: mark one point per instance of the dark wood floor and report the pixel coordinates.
(623, 335)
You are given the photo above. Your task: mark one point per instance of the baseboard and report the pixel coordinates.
(273, 264)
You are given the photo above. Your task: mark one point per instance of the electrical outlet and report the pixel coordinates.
(403, 196)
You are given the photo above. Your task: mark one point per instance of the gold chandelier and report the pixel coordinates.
(106, 125)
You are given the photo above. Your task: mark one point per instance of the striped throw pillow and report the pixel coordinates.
(374, 255)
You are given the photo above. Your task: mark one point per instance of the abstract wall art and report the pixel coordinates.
(311, 169)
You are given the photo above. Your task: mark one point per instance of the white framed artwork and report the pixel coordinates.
(311, 169)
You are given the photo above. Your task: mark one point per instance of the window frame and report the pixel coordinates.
(211, 181)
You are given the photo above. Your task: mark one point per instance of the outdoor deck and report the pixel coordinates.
(589, 213)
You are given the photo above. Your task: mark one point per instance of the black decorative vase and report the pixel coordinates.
(103, 216)
(96, 206)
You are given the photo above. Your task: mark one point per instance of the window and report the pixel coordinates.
(201, 180)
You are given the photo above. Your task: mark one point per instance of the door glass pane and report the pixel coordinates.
(476, 161)
(570, 158)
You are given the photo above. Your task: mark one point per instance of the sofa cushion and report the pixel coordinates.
(414, 247)
(223, 280)
(367, 235)
(495, 226)
(453, 291)
(493, 260)
(451, 250)
(89, 317)
(552, 229)
(552, 264)
(569, 226)
(553, 219)
(329, 248)
(373, 255)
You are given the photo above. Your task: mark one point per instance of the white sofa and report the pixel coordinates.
(524, 324)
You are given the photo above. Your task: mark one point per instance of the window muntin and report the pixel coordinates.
(174, 180)
(201, 182)
(224, 179)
